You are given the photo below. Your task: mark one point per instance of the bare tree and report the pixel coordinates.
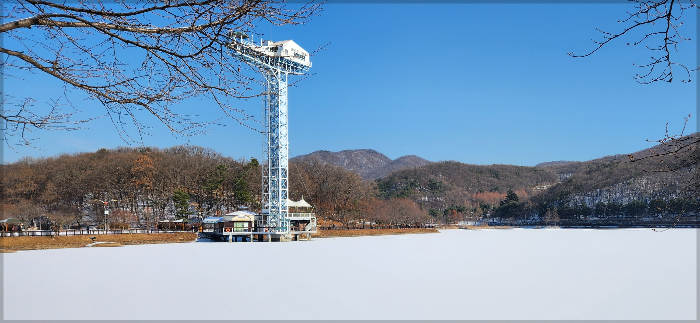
(659, 22)
(551, 217)
(679, 153)
(132, 57)
(61, 218)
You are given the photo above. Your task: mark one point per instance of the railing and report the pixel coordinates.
(227, 230)
(254, 54)
(301, 215)
(77, 232)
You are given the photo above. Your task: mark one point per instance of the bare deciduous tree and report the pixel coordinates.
(679, 153)
(132, 57)
(659, 22)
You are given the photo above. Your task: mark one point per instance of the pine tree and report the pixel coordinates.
(182, 203)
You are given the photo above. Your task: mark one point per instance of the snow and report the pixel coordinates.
(456, 274)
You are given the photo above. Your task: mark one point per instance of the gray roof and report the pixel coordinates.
(213, 219)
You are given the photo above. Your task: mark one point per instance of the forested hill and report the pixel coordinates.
(615, 184)
(145, 185)
(611, 180)
(442, 185)
(369, 163)
(138, 179)
(151, 183)
(567, 168)
(552, 163)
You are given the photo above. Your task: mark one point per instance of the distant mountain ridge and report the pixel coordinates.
(369, 163)
(611, 183)
(552, 163)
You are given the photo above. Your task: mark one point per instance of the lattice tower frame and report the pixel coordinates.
(275, 170)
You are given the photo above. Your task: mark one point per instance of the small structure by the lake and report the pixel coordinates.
(245, 225)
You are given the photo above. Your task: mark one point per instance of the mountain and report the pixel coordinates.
(369, 163)
(449, 184)
(602, 186)
(552, 163)
(567, 168)
(640, 187)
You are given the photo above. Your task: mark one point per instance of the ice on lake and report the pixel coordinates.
(455, 274)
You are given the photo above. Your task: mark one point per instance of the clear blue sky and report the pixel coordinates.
(475, 83)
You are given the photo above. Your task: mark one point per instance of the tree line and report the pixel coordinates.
(140, 186)
(645, 183)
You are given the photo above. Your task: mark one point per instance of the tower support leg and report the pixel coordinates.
(276, 149)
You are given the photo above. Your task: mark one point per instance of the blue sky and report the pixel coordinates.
(475, 83)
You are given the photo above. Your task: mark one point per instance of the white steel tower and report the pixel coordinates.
(276, 61)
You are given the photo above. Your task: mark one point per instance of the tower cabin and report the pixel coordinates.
(287, 49)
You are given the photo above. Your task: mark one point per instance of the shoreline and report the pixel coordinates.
(12, 244)
(369, 232)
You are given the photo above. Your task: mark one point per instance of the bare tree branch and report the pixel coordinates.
(679, 153)
(135, 57)
(663, 17)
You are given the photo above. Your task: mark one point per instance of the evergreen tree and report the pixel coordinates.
(511, 197)
(182, 203)
(509, 207)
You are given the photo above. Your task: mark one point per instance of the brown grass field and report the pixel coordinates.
(111, 244)
(9, 244)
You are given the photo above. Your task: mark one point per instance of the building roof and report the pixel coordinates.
(10, 220)
(213, 219)
(290, 203)
(300, 203)
(240, 213)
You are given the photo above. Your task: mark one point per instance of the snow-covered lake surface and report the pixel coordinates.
(456, 274)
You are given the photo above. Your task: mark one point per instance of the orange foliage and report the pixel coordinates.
(143, 171)
(122, 216)
(522, 195)
(8, 210)
(489, 197)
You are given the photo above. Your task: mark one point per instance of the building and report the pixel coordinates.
(245, 225)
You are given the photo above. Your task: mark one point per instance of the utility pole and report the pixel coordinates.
(106, 205)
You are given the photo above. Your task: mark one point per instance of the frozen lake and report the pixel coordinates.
(456, 274)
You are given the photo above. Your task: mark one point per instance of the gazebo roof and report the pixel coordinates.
(300, 203)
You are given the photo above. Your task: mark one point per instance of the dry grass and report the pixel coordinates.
(369, 232)
(143, 238)
(34, 243)
(109, 244)
(37, 243)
